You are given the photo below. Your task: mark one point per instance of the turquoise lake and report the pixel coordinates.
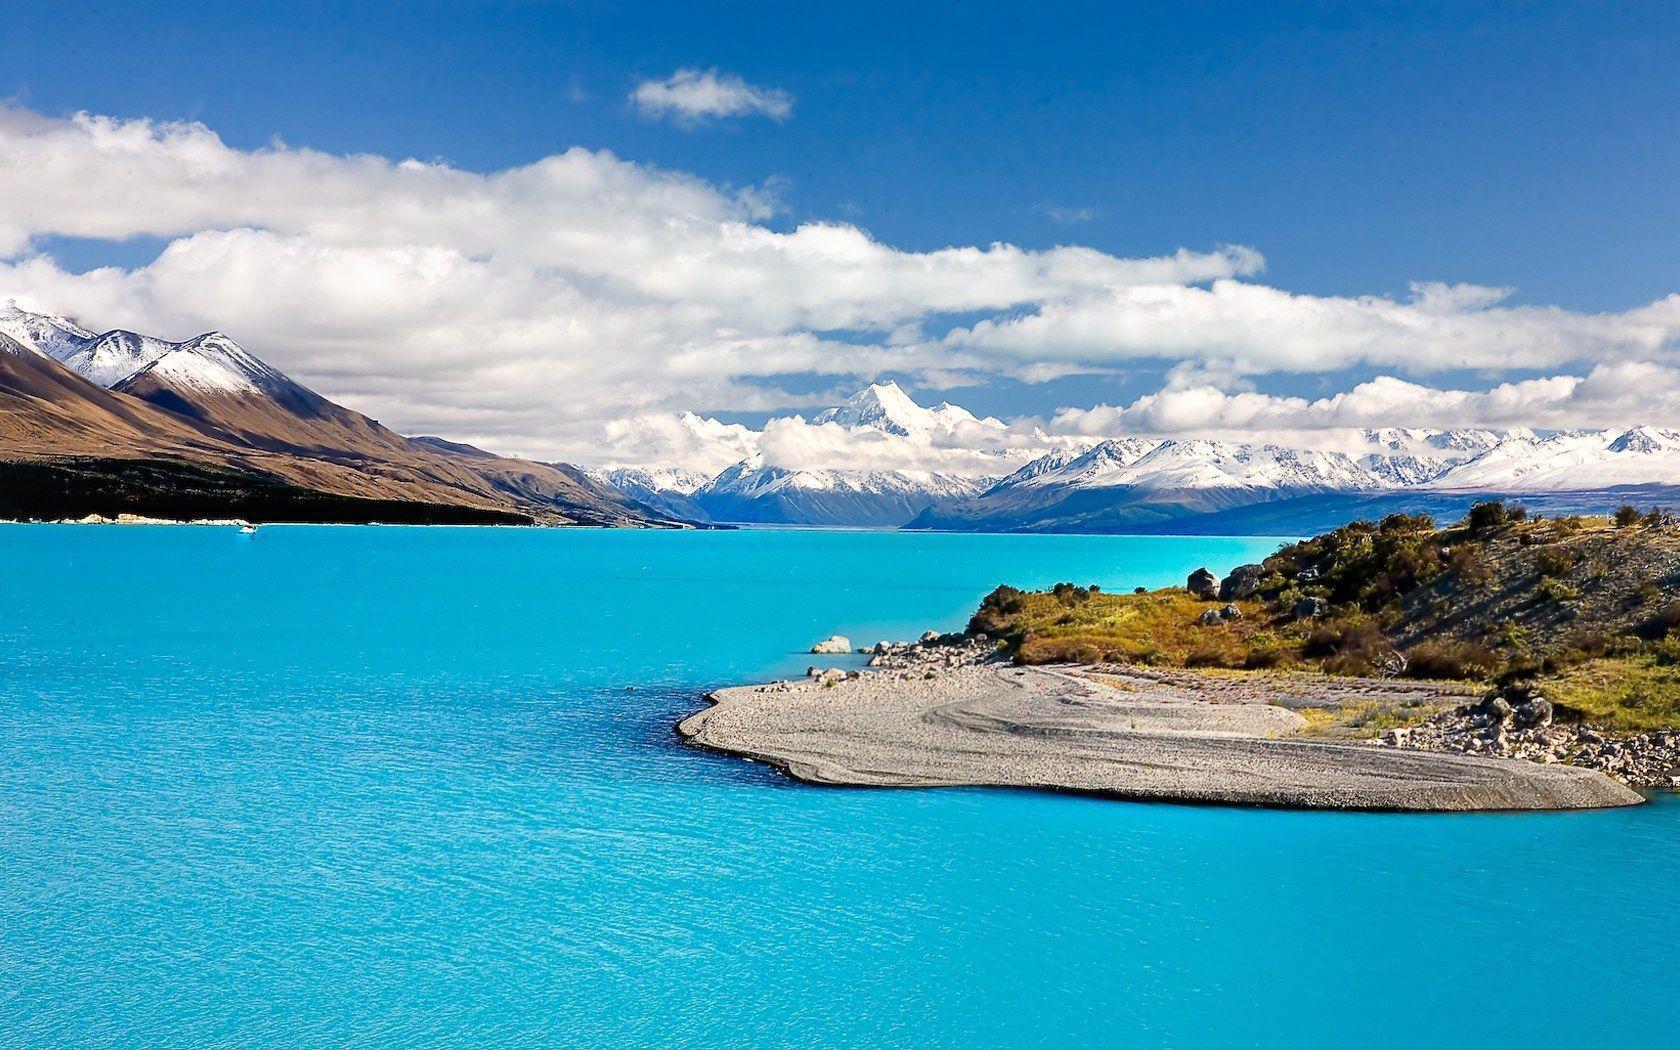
(398, 786)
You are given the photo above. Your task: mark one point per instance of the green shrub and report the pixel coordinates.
(1493, 515)
(1449, 659)
(1555, 561)
(1658, 625)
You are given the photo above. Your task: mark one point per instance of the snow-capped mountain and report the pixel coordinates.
(1079, 468)
(887, 408)
(1132, 480)
(121, 398)
(209, 362)
(667, 489)
(47, 334)
(751, 492)
(1571, 461)
(759, 488)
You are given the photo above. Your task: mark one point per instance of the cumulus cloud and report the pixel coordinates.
(693, 96)
(678, 439)
(1249, 329)
(1610, 395)
(518, 308)
(522, 308)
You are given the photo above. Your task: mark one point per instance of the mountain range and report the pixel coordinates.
(1132, 484)
(120, 421)
(101, 422)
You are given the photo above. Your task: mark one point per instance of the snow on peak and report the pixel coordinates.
(652, 479)
(212, 364)
(886, 407)
(48, 334)
(750, 478)
(1572, 461)
(1647, 440)
(116, 355)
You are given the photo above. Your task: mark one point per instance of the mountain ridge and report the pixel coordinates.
(209, 402)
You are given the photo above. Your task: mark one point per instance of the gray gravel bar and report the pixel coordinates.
(1140, 736)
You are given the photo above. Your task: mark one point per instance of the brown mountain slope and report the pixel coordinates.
(48, 410)
(211, 403)
(228, 393)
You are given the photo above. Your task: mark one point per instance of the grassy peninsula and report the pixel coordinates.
(1583, 610)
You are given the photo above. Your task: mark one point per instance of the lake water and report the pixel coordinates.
(383, 786)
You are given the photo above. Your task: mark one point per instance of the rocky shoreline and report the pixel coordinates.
(950, 710)
(1493, 727)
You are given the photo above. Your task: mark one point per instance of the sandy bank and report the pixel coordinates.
(1130, 736)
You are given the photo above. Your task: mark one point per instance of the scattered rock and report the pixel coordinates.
(1210, 618)
(1242, 582)
(1535, 712)
(1231, 612)
(1311, 608)
(832, 645)
(1203, 584)
(1647, 760)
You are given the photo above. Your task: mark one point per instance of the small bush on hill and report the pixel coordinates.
(1658, 625)
(1493, 515)
(1448, 659)
(1556, 561)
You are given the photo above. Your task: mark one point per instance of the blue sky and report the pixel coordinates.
(1358, 147)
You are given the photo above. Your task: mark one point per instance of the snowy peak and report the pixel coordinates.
(1647, 441)
(212, 364)
(1096, 467)
(113, 357)
(1402, 469)
(886, 407)
(1204, 464)
(208, 363)
(652, 479)
(1440, 444)
(1572, 461)
(749, 479)
(48, 334)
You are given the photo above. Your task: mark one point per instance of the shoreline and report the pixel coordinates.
(946, 714)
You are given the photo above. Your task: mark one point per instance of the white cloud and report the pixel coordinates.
(683, 439)
(692, 96)
(522, 308)
(1610, 395)
(1239, 328)
(517, 308)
